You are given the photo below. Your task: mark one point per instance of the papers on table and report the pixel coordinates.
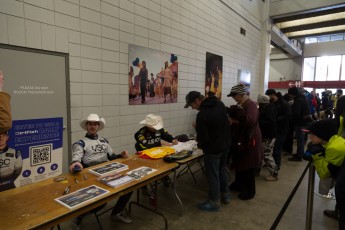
(107, 169)
(116, 180)
(140, 172)
(189, 145)
(81, 196)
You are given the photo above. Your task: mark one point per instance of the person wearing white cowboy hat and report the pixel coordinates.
(93, 118)
(93, 150)
(152, 134)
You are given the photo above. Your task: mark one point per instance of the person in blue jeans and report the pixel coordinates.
(213, 137)
(299, 113)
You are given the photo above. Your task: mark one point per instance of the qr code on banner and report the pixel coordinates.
(40, 154)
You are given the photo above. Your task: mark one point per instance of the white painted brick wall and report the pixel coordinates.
(33, 34)
(68, 8)
(48, 37)
(38, 14)
(96, 34)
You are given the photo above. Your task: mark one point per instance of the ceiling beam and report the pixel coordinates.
(317, 34)
(317, 25)
(309, 13)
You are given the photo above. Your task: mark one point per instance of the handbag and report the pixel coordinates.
(177, 156)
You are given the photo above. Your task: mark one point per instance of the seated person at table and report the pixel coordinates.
(13, 164)
(153, 135)
(93, 150)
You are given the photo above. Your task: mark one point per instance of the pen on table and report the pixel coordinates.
(66, 190)
(76, 180)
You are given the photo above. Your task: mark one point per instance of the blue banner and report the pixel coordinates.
(39, 143)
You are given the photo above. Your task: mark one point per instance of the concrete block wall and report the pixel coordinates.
(96, 34)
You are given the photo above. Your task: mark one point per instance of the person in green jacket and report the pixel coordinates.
(339, 210)
(327, 162)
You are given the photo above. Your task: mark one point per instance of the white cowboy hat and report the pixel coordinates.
(95, 118)
(153, 121)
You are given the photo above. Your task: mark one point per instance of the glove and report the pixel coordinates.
(307, 156)
(315, 148)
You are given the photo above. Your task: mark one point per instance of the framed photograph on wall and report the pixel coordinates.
(243, 77)
(214, 75)
(152, 76)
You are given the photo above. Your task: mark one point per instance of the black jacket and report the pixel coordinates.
(268, 121)
(299, 110)
(146, 139)
(283, 115)
(212, 126)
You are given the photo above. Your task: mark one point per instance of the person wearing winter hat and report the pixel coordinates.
(268, 127)
(93, 150)
(246, 149)
(299, 110)
(328, 162)
(237, 90)
(327, 151)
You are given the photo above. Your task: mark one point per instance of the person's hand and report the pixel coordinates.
(315, 148)
(74, 164)
(308, 156)
(165, 143)
(174, 142)
(124, 154)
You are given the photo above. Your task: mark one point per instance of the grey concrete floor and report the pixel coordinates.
(258, 213)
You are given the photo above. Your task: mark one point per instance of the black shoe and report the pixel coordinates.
(77, 222)
(294, 158)
(234, 187)
(243, 196)
(331, 214)
(145, 191)
(258, 170)
(166, 181)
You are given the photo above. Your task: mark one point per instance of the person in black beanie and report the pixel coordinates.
(328, 162)
(339, 211)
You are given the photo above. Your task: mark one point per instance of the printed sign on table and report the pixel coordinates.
(38, 142)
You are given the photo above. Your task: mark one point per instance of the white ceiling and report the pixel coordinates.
(302, 18)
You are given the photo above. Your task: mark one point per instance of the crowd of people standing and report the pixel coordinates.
(255, 142)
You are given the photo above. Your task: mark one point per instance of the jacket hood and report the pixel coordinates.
(209, 101)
